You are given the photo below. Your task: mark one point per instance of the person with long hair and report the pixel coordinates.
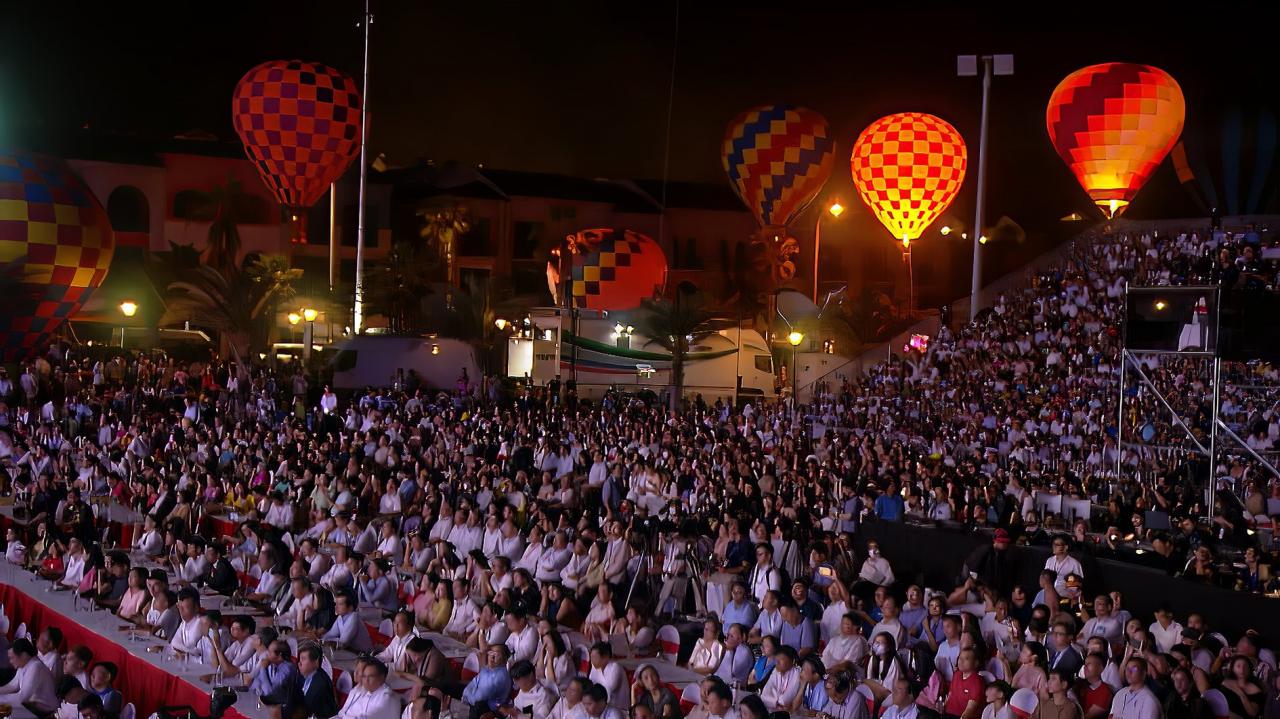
(885, 666)
(1032, 668)
(708, 650)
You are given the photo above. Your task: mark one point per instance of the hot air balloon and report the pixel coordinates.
(777, 158)
(1231, 164)
(300, 125)
(908, 168)
(55, 248)
(614, 269)
(1112, 124)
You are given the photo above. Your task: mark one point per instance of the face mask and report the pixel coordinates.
(877, 649)
(873, 552)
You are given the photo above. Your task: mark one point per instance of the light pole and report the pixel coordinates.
(967, 66)
(836, 209)
(128, 308)
(308, 333)
(795, 338)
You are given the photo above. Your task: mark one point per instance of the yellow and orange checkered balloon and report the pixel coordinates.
(908, 168)
(55, 247)
(1113, 124)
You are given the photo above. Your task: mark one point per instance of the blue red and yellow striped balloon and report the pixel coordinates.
(778, 158)
(300, 125)
(1113, 124)
(55, 248)
(616, 269)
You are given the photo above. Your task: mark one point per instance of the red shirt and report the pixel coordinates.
(964, 691)
(1099, 697)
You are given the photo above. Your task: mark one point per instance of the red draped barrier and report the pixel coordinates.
(147, 686)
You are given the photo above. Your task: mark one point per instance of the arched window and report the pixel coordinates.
(128, 210)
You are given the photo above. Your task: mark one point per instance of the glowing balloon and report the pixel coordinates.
(55, 247)
(777, 158)
(300, 125)
(908, 168)
(616, 269)
(1113, 124)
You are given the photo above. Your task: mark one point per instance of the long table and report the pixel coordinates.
(149, 680)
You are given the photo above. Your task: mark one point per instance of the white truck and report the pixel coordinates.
(607, 351)
(374, 360)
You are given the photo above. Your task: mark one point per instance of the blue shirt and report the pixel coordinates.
(491, 686)
(275, 682)
(800, 636)
(744, 614)
(815, 697)
(889, 508)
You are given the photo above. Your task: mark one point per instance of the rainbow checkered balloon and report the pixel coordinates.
(908, 168)
(777, 158)
(55, 248)
(1113, 124)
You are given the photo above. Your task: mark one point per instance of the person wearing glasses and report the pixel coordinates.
(1063, 564)
(491, 688)
(1135, 700)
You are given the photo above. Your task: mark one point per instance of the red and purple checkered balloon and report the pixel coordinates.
(300, 125)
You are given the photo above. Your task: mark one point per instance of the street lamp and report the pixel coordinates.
(967, 66)
(294, 318)
(795, 338)
(308, 332)
(836, 209)
(500, 323)
(128, 308)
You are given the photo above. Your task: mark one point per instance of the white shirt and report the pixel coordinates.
(462, 618)
(539, 699)
(188, 636)
(1165, 638)
(706, 656)
(75, 570)
(763, 579)
(523, 645)
(1066, 565)
(395, 649)
(894, 712)
(562, 710)
(877, 571)
(614, 681)
(781, 689)
(53, 660)
(33, 683)
(150, 543)
(843, 648)
(380, 704)
(1140, 704)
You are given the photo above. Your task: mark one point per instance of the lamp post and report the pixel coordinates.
(308, 333)
(967, 66)
(795, 338)
(128, 308)
(836, 209)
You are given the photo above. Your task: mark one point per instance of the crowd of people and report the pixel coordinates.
(549, 535)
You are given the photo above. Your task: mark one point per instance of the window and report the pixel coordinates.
(476, 243)
(764, 363)
(529, 281)
(527, 237)
(128, 210)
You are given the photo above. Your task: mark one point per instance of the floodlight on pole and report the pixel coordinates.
(967, 66)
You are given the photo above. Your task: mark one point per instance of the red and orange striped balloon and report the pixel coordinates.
(1113, 124)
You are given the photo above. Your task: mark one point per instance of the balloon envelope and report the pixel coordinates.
(56, 245)
(908, 168)
(300, 125)
(777, 158)
(1231, 162)
(624, 268)
(1112, 124)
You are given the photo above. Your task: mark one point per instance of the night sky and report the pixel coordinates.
(582, 87)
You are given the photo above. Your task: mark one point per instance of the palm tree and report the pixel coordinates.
(224, 206)
(674, 325)
(231, 305)
(442, 227)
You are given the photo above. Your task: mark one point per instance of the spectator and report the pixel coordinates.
(33, 684)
